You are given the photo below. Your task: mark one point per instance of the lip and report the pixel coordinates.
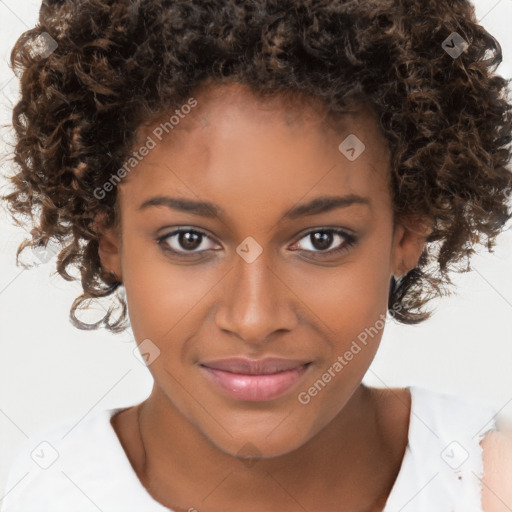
(254, 380)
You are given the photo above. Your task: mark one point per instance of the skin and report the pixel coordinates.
(497, 469)
(256, 160)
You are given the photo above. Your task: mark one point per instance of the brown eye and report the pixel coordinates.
(189, 240)
(320, 240)
(183, 241)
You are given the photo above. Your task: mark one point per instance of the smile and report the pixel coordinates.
(254, 380)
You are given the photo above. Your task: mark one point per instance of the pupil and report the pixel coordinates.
(189, 239)
(322, 240)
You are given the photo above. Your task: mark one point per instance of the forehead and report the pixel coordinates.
(223, 102)
(234, 144)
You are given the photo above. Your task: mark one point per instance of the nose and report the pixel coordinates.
(256, 301)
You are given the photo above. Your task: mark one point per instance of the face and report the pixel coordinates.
(291, 259)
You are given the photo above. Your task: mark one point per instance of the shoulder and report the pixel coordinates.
(497, 476)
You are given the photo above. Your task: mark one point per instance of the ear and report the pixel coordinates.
(109, 249)
(408, 243)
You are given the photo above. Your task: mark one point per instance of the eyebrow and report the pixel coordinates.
(210, 210)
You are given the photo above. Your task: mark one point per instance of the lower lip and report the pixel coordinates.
(255, 388)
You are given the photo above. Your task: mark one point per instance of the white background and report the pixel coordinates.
(50, 371)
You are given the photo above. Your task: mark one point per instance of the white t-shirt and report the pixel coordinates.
(81, 466)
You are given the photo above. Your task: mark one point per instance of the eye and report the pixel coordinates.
(184, 241)
(188, 241)
(319, 240)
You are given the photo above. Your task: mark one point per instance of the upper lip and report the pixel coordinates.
(254, 366)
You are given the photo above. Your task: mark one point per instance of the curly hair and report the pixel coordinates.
(121, 64)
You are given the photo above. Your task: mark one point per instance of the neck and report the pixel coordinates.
(183, 470)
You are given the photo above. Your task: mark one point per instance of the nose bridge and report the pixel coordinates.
(257, 301)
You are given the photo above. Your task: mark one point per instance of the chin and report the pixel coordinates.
(259, 443)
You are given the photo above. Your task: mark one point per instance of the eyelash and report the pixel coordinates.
(349, 241)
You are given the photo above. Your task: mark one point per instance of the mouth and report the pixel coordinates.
(254, 380)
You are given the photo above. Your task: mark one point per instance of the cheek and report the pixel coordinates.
(347, 299)
(352, 308)
(159, 293)
(350, 304)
